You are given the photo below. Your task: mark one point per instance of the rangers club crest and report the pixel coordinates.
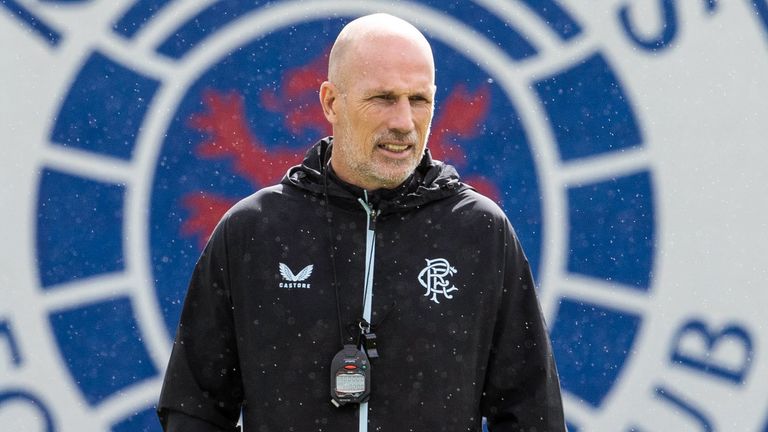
(434, 278)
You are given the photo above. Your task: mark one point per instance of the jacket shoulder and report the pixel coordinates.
(249, 213)
(471, 202)
(261, 203)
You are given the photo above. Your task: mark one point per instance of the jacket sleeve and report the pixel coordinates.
(522, 390)
(202, 390)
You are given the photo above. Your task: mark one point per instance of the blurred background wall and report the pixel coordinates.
(626, 140)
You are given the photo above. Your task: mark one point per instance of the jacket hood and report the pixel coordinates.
(432, 180)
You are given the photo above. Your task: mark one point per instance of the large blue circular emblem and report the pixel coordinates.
(549, 134)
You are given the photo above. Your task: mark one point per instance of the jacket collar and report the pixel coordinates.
(432, 180)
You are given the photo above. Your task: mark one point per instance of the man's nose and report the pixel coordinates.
(401, 118)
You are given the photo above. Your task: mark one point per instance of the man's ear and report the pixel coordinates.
(328, 97)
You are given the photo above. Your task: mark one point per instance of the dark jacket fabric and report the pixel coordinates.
(459, 329)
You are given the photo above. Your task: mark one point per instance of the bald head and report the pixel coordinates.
(360, 38)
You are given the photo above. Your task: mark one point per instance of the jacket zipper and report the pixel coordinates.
(370, 252)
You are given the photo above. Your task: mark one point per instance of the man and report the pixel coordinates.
(373, 246)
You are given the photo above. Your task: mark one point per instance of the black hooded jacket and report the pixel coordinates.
(459, 330)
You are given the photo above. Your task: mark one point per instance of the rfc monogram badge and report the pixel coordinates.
(433, 278)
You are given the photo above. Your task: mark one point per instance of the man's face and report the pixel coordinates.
(384, 110)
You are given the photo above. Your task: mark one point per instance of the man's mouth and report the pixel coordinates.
(395, 148)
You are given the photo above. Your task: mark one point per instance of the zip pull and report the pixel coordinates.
(373, 216)
(371, 212)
